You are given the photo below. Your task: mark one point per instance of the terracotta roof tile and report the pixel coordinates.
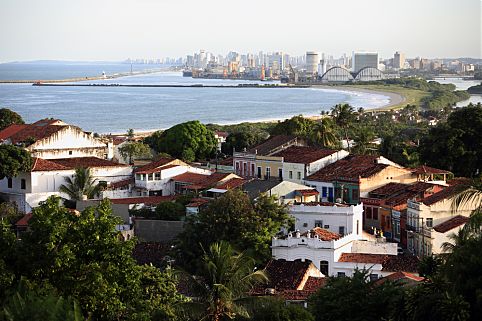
(122, 183)
(153, 166)
(401, 277)
(444, 194)
(200, 181)
(11, 130)
(303, 154)
(323, 234)
(285, 275)
(426, 170)
(451, 223)
(405, 263)
(37, 132)
(387, 190)
(85, 162)
(232, 183)
(350, 168)
(273, 144)
(44, 165)
(148, 200)
(24, 220)
(307, 192)
(313, 284)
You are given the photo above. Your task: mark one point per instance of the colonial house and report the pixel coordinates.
(52, 138)
(209, 183)
(386, 207)
(28, 189)
(258, 162)
(436, 211)
(355, 176)
(299, 162)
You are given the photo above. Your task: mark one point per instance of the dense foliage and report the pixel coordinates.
(8, 117)
(170, 211)
(188, 141)
(133, 150)
(13, 160)
(456, 144)
(81, 256)
(234, 218)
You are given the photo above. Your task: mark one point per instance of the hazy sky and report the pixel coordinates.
(119, 29)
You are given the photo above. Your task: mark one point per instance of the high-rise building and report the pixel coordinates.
(399, 60)
(312, 60)
(364, 59)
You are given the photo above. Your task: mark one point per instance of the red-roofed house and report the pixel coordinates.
(46, 176)
(423, 216)
(355, 176)
(300, 162)
(52, 138)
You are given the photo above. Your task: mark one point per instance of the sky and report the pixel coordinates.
(114, 30)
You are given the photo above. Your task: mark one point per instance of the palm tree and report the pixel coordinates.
(226, 278)
(364, 136)
(323, 134)
(82, 183)
(343, 116)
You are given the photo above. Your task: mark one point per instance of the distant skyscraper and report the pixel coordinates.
(399, 60)
(312, 60)
(364, 59)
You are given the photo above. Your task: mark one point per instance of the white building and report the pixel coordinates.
(337, 218)
(52, 138)
(154, 179)
(430, 221)
(364, 59)
(46, 176)
(312, 61)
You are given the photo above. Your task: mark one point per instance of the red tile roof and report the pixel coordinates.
(200, 181)
(303, 155)
(273, 144)
(154, 166)
(232, 183)
(44, 165)
(425, 170)
(313, 284)
(446, 193)
(196, 202)
(451, 223)
(23, 222)
(323, 234)
(402, 277)
(351, 168)
(148, 200)
(307, 192)
(122, 183)
(11, 130)
(35, 131)
(285, 275)
(325, 204)
(387, 190)
(362, 258)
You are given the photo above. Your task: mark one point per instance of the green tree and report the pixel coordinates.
(130, 133)
(170, 211)
(241, 140)
(353, 298)
(13, 160)
(189, 141)
(343, 115)
(8, 117)
(323, 134)
(82, 183)
(297, 126)
(363, 139)
(274, 309)
(234, 218)
(223, 283)
(132, 150)
(82, 256)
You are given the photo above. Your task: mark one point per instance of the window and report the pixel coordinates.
(430, 222)
(375, 213)
(268, 172)
(354, 194)
(326, 227)
(259, 171)
(23, 183)
(324, 267)
(341, 230)
(237, 168)
(373, 277)
(252, 170)
(318, 223)
(368, 213)
(245, 169)
(70, 152)
(330, 194)
(280, 173)
(341, 274)
(387, 221)
(291, 174)
(299, 175)
(157, 176)
(9, 182)
(357, 226)
(150, 177)
(324, 191)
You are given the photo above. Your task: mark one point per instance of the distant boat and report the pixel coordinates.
(104, 75)
(187, 73)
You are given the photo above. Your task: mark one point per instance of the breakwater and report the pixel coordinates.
(172, 85)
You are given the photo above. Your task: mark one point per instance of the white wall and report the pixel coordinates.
(334, 216)
(319, 187)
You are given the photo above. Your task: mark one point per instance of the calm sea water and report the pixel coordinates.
(115, 109)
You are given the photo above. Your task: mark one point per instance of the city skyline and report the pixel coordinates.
(115, 30)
